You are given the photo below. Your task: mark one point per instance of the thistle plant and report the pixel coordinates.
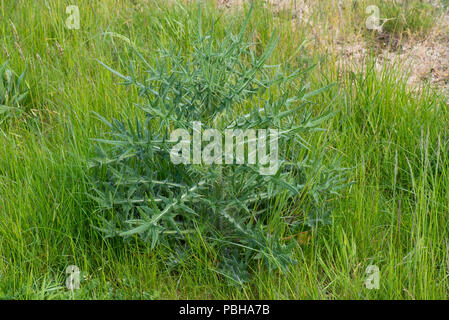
(248, 216)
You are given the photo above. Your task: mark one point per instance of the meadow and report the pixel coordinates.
(389, 135)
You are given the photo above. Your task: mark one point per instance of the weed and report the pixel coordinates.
(13, 93)
(142, 192)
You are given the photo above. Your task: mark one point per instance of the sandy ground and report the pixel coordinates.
(423, 59)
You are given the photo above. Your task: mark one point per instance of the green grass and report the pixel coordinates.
(393, 138)
(402, 18)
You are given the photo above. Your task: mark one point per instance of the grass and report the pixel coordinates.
(401, 18)
(393, 138)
